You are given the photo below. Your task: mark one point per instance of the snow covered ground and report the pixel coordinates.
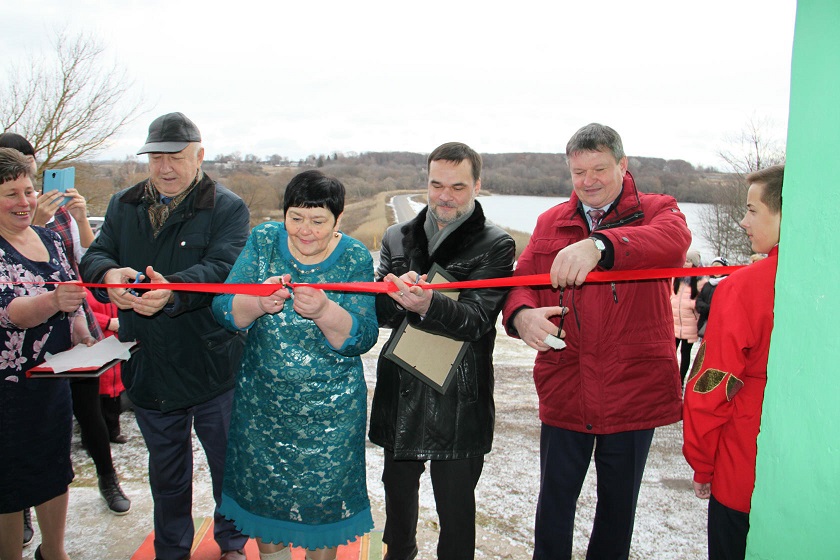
(670, 521)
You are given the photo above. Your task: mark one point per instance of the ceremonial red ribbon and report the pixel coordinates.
(384, 287)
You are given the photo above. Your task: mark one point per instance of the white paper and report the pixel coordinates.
(554, 342)
(81, 356)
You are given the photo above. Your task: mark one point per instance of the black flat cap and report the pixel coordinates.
(170, 134)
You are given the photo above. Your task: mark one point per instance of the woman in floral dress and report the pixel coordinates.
(36, 419)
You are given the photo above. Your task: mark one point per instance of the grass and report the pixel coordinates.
(367, 220)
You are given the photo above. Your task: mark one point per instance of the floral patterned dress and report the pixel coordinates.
(36, 418)
(295, 468)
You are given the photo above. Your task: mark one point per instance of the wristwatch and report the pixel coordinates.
(600, 245)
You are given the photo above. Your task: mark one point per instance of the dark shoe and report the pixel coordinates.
(411, 555)
(119, 438)
(233, 555)
(109, 489)
(28, 533)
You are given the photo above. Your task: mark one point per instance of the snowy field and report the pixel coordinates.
(670, 521)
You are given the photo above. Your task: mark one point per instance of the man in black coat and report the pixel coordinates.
(411, 419)
(176, 226)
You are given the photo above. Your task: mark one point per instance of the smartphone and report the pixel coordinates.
(60, 180)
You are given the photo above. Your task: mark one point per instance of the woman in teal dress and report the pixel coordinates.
(295, 467)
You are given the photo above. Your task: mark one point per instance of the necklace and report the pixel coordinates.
(316, 268)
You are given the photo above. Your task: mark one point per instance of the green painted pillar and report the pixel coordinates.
(796, 505)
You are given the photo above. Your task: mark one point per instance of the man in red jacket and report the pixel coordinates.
(725, 391)
(617, 377)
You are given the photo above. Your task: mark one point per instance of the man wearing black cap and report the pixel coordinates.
(176, 226)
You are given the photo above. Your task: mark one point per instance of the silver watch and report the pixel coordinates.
(599, 244)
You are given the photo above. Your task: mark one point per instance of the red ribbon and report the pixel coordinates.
(384, 287)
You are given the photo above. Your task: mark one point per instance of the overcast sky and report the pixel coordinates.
(676, 79)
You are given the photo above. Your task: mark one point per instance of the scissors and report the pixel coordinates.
(132, 291)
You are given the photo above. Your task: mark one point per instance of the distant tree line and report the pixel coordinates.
(534, 174)
(262, 184)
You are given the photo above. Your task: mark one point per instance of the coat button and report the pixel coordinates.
(183, 243)
(589, 426)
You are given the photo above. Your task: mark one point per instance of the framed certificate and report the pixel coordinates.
(432, 358)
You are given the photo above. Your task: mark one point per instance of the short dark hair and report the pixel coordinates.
(18, 142)
(457, 152)
(13, 164)
(313, 189)
(596, 137)
(772, 178)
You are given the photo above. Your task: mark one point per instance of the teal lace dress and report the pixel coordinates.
(295, 467)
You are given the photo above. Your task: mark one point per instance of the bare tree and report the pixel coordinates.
(69, 106)
(753, 149)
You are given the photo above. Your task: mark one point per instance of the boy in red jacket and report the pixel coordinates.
(723, 397)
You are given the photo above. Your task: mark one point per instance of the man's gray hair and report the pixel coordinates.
(596, 137)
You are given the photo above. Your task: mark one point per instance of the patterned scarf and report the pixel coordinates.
(160, 207)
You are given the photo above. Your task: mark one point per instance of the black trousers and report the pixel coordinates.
(564, 459)
(111, 409)
(454, 485)
(685, 357)
(168, 437)
(728, 530)
(88, 412)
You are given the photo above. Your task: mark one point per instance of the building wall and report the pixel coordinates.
(796, 503)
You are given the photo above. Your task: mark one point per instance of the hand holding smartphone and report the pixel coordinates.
(60, 180)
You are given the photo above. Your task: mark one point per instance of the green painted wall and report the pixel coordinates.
(796, 504)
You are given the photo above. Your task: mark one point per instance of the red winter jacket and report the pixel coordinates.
(618, 371)
(724, 396)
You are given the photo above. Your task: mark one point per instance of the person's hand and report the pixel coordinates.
(87, 341)
(77, 205)
(573, 263)
(48, 204)
(121, 297)
(533, 326)
(413, 298)
(273, 303)
(702, 490)
(310, 303)
(69, 296)
(152, 301)
(114, 324)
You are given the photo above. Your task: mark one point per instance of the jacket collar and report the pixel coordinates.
(625, 206)
(416, 244)
(204, 196)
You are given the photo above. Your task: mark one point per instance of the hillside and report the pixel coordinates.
(370, 177)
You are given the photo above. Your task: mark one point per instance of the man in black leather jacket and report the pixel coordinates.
(412, 420)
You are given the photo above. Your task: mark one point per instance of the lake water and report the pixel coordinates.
(521, 212)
